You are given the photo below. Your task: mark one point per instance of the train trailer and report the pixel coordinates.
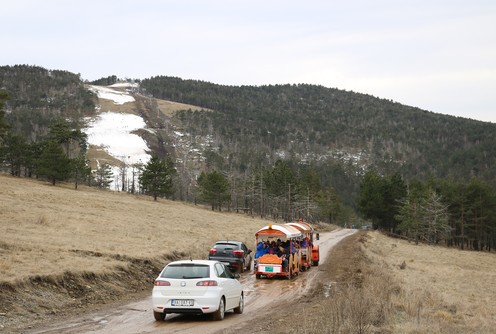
(284, 250)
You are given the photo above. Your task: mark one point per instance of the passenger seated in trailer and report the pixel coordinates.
(262, 249)
(272, 247)
(296, 246)
(284, 253)
(278, 250)
(304, 243)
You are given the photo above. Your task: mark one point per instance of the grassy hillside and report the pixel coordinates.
(48, 230)
(440, 290)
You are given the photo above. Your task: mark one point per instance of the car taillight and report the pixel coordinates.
(162, 283)
(207, 283)
(238, 253)
(212, 251)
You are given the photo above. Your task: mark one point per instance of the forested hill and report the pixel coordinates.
(325, 135)
(312, 123)
(37, 97)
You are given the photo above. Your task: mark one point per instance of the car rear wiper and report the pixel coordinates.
(192, 277)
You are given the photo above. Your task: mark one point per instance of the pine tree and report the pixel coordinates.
(80, 169)
(73, 141)
(156, 178)
(214, 188)
(14, 152)
(53, 163)
(379, 199)
(371, 198)
(103, 176)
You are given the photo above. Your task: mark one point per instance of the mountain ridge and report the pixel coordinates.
(338, 133)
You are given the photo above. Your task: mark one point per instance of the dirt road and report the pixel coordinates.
(137, 317)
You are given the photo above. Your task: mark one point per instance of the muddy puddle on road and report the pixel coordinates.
(137, 317)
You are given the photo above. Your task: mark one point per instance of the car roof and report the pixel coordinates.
(203, 262)
(229, 242)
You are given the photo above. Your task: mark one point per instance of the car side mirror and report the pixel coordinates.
(249, 251)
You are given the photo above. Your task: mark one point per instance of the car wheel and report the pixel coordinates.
(241, 307)
(159, 316)
(219, 314)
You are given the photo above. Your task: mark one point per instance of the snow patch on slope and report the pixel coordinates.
(114, 132)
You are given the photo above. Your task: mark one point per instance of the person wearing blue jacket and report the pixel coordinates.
(262, 249)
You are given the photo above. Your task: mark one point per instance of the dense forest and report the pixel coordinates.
(312, 123)
(39, 97)
(283, 151)
(454, 212)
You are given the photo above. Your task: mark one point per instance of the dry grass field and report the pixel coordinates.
(63, 250)
(47, 230)
(109, 105)
(169, 108)
(441, 290)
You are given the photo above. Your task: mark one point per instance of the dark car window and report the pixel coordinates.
(223, 271)
(219, 269)
(186, 271)
(228, 271)
(226, 247)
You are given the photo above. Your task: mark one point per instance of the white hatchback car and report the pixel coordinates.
(197, 287)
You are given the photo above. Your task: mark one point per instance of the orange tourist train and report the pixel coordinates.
(285, 250)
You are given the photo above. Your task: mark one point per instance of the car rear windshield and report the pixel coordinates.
(226, 247)
(186, 271)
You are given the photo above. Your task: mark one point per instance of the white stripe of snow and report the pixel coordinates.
(113, 131)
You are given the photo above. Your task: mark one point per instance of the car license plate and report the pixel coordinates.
(182, 302)
(269, 269)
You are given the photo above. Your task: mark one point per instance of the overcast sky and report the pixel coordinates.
(436, 55)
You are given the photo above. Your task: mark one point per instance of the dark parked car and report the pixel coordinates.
(235, 254)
